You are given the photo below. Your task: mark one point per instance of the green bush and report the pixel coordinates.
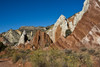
(68, 51)
(91, 51)
(68, 32)
(83, 49)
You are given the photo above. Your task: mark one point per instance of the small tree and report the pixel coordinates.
(68, 32)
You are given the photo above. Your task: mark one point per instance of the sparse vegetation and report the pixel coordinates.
(91, 51)
(2, 46)
(15, 57)
(68, 32)
(68, 51)
(83, 49)
(57, 58)
(52, 58)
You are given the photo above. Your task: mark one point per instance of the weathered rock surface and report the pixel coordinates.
(41, 40)
(23, 38)
(12, 37)
(61, 24)
(66, 24)
(87, 31)
(31, 30)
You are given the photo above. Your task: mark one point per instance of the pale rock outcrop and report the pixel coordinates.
(79, 15)
(11, 36)
(63, 24)
(23, 38)
(92, 39)
(19, 32)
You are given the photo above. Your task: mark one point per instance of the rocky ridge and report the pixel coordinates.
(12, 37)
(86, 33)
(63, 24)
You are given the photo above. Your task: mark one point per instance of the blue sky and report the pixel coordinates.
(17, 13)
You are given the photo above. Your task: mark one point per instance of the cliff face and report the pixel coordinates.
(41, 40)
(87, 31)
(66, 24)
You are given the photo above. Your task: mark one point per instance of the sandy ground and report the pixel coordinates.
(6, 63)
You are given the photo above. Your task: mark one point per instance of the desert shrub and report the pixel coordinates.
(72, 60)
(15, 57)
(97, 54)
(84, 59)
(58, 58)
(91, 51)
(50, 58)
(38, 59)
(68, 32)
(83, 49)
(68, 51)
(2, 46)
(78, 60)
(9, 52)
(21, 54)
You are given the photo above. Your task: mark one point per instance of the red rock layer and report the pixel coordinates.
(41, 40)
(58, 33)
(89, 22)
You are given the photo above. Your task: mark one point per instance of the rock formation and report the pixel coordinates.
(87, 31)
(24, 43)
(23, 38)
(41, 40)
(62, 25)
(11, 36)
(66, 24)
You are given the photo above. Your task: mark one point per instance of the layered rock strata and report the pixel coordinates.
(65, 24)
(87, 31)
(41, 40)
